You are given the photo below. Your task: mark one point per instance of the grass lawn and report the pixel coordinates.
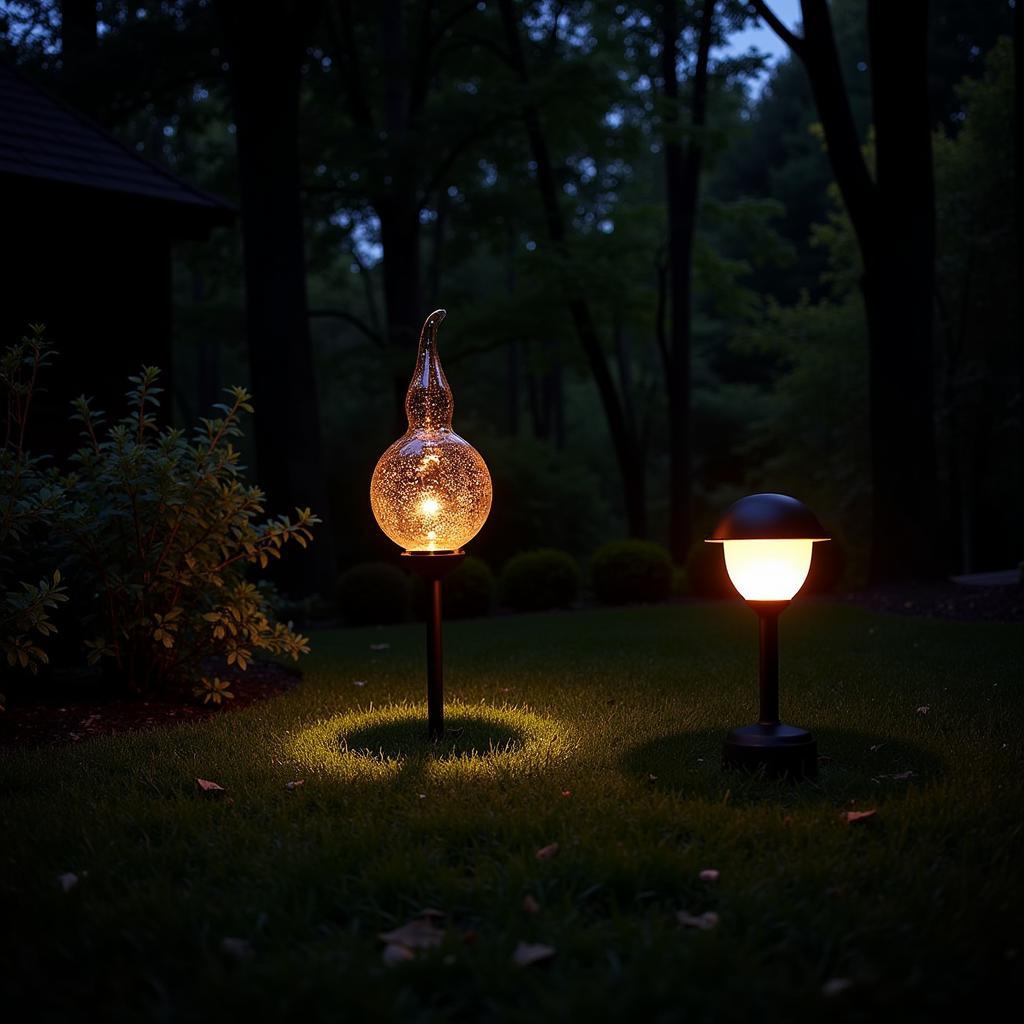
(599, 731)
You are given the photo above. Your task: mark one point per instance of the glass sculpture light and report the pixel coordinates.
(768, 541)
(430, 491)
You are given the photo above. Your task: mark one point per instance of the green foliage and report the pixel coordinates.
(541, 498)
(468, 592)
(538, 580)
(629, 571)
(374, 594)
(31, 499)
(163, 529)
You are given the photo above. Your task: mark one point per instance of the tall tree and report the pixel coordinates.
(410, 125)
(893, 218)
(628, 450)
(682, 185)
(265, 55)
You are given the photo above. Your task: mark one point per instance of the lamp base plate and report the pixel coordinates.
(777, 750)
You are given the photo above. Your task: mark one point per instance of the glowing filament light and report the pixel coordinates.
(431, 490)
(768, 570)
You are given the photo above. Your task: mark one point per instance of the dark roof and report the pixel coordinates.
(41, 138)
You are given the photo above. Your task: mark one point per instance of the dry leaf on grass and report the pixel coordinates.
(547, 852)
(209, 787)
(709, 875)
(566, 792)
(528, 953)
(420, 933)
(852, 817)
(530, 905)
(67, 881)
(704, 922)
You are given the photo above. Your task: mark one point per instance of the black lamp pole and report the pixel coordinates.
(432, 567)
(771, 746)
(768, 613)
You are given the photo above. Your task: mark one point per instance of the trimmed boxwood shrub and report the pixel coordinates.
(374, 594)
(536, 580)
(628, 571)
(467, 592)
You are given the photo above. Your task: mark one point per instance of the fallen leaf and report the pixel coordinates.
(420, 933)
(851, 817)
(240, 949)
(295, 784)
(67, 881)
(528, 953)
(566, 792)
(704, 922)
(396, 955)
(209, 787)
(530, 905)
(709, 875)
(547, 852)
(380, 647)
(835, 987)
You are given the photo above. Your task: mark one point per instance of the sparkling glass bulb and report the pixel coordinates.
(768, 570)
(430, 490)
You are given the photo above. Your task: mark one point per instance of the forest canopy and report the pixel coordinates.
(675, 271)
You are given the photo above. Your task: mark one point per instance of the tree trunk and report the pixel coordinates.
(624, 445)
(265, 55)
(899, 293)
(893, 219)
(682, 183)
(400, 237)
(1018, 178)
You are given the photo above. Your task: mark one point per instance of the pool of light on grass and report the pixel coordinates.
(386, 742)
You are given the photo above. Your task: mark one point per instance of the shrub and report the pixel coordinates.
(163, 529)
(31, 500)
(374, 593)
(536, 580)
(466, 593)
(628, 571)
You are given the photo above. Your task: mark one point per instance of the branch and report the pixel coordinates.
(349, 318)
(791, 39)
(478, 132)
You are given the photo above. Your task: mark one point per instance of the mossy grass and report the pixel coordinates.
(599, 731)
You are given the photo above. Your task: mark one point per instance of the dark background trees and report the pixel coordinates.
(669, 281)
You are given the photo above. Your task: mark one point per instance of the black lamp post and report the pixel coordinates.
(430, 494)
(768, 540)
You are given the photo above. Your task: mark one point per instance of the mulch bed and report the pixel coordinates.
(47, 713)
(946, 601)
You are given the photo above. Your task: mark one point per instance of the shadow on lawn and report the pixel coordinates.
(847, 761)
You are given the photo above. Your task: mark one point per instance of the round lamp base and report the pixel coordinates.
(777, 750)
